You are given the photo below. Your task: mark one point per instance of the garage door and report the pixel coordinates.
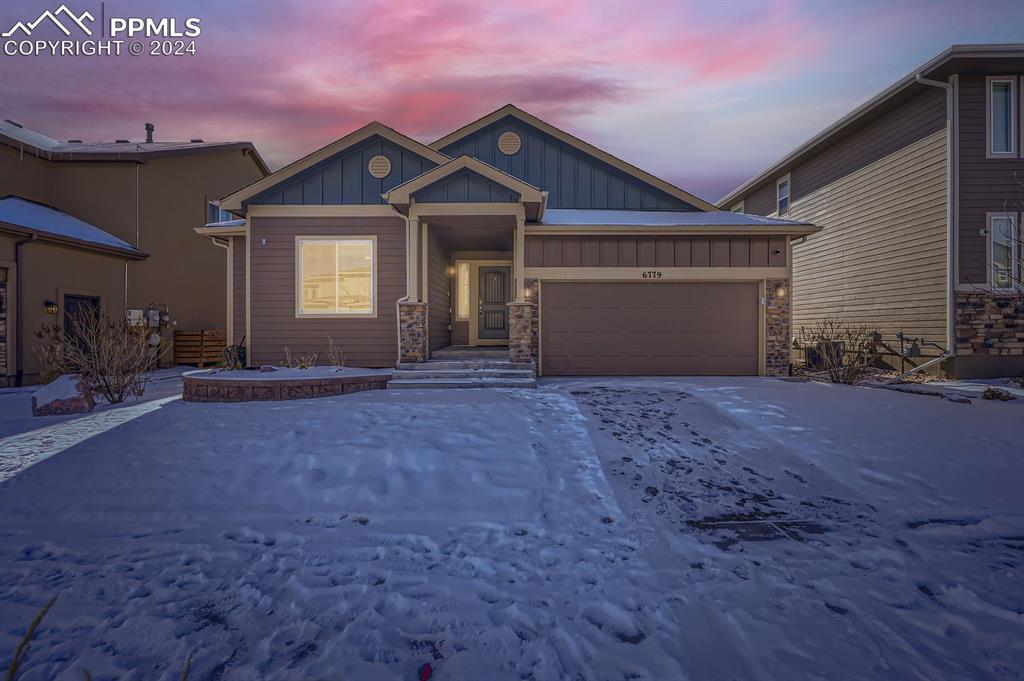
(649, 328)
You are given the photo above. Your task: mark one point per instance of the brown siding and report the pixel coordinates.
(365, 342)
(760, 202)
(651, 251)
(986, 184)
(238, 288)
(439, 306)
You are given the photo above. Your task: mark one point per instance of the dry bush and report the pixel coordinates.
(306, 361)
(335, 355)
(52, 363)
(998, 394)
(846, 352)
(113, 356)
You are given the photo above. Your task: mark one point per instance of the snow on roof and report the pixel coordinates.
(226, 223)
(660, 218)
(44, 220)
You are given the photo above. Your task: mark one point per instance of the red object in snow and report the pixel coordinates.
(426, 671)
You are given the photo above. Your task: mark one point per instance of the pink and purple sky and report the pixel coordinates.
(704, 94)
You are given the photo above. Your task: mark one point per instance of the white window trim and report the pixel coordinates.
(1014, 240)
(738, 208)
(789, 195)
(372, 314)
(1014, 123)
(458, 291)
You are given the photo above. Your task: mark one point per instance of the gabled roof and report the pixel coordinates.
(233, 202)
(22, 217)
(19, 137)
(402, 194)
(939, 66)
(530, 119)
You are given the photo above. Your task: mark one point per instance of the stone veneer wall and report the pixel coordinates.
(989, 324)
(778, 335)
(522, 327)
(412, 323)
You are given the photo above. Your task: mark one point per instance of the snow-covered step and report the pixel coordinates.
(403, 383)
(448, 365)
(471, 354)
(464, 373)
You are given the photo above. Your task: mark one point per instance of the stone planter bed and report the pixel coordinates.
(247, 385)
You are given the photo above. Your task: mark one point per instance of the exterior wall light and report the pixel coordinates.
(780, 292)
(51, 307)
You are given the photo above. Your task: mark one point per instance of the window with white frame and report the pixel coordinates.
(1004, 250)
(462, 290)
(782, 196)
(335, 276)
(1002, 116)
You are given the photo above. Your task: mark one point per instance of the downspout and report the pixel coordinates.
(951, 164)
(405, 298)
(19, 364)
(138, 238)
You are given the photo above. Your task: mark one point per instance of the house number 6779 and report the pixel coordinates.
(651, 274)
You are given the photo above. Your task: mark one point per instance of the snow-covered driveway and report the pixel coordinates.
(622, 529)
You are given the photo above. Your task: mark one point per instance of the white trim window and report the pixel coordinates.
(214, 213)
(1004, 251)
(782, 196)
(1001, 118)
(462, 291)
(336, 276)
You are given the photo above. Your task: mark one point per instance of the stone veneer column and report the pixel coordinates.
(777, 341)
(522, 326)
(412, 323)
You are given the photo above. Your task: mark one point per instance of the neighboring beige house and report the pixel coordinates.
(920, 193)
(109, 225)
(507, 234)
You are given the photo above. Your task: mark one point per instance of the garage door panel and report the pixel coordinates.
(649, 328)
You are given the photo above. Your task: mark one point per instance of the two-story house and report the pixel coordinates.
(920, 193)
(508, 234)
(108, 226)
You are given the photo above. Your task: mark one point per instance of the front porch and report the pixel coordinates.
(465, 265)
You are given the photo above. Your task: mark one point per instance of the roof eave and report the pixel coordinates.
(47, 237)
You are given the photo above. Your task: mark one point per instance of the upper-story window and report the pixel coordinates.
(1002, 116)
(738, 208)
(782, 196)
(215, 214)
(1004, 244)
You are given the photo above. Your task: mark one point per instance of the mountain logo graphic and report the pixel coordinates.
(61, 11)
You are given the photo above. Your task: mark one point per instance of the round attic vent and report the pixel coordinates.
(380, 166)
(509, 143)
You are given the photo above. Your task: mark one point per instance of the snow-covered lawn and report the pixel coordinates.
(606, 529)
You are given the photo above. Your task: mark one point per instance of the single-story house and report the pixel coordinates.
(506, 232)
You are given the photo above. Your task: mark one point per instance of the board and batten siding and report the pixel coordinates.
(572, 178)
(439, 302)
(655, 251)
(238, 289)
(274, 325)
(987, 185)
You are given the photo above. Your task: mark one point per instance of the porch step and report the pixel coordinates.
(470, 353)
(402, 383)
(477, 373)
(450, 365)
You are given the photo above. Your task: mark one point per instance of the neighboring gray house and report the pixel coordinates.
(919, 193)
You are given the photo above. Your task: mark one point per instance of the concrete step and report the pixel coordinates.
(462, 383)
(470, 353)
(449, 365)
(463, 373)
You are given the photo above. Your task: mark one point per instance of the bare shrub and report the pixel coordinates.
(52, 363)
(113, 356)
(846, 352)
(335, 355)
(305, 361)
(998, 394)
